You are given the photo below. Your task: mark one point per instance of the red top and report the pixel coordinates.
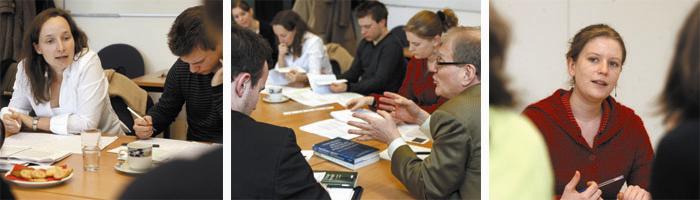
(418, 86)
(621, 147)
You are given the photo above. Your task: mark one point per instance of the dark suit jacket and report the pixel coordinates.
(267, 163)
(453, 169)
(182, 179)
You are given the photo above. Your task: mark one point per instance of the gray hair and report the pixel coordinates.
(466, 44)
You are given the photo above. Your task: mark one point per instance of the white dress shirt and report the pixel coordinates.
(83, 102)
(313, 59)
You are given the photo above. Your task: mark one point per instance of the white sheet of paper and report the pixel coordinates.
(275, 77)
(307, 154)
(385, 155)
(289, 69)
(329, 128)
(70, 143)
(346, 115)
(343, 98)
(308, 98)
(408, 131)
(316, 79)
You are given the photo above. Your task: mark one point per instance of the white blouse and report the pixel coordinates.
(83, 102)
(313, 59)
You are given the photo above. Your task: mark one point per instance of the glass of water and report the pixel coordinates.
(90, 137)
(91, 158)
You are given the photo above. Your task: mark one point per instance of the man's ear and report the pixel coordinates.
(382, 22)
(241, 83)
(469, 75)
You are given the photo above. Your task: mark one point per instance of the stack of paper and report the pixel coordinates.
(45, 148)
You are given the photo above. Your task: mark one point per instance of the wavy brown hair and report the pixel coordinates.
(35, 67)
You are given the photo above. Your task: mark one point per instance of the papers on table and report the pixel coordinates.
(315, 81)
(43, 148)
(277, 76)
(330, 128)
(385, 155)
(307, 97)
(70, 143)
(307, 154)
(169, 149)
(289, 69)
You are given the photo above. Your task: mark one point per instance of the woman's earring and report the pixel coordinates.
(615, 91)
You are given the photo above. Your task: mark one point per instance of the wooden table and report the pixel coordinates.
(106, 183)
(376, 179)
(153, 82)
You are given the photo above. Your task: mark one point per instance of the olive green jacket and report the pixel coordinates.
(453, 169)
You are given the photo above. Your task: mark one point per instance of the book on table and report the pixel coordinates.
(346, 153)
(337, 179)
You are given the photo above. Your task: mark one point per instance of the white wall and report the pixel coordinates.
(147, 34)
(540, 30)
(400, 11)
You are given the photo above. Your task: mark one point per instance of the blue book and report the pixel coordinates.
(350, 154)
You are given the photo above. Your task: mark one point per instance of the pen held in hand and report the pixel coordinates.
(134, 112)
(608, 182)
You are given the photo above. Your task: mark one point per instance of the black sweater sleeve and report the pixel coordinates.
(170, 103)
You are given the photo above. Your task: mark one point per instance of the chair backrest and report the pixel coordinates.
(340, 55)
(123, 58)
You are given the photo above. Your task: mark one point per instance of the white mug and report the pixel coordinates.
(274, 93)
(139, 155)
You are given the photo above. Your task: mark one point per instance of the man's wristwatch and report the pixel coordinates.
(35, 122)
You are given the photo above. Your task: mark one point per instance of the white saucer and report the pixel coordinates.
(125, 168)
(283, 99)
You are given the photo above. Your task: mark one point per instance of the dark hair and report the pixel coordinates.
(681, 94)
(188, 31)
(466, 44)
(243, 5)
(35, 67)
(591, 32)
(498, 44)
(291, 21)
(426, 24)
(249, 51)
(213, 15)
(374, 8)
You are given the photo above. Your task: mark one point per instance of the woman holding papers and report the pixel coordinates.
(423, 32)
(300, 51)
(60, 80)
(591, 136)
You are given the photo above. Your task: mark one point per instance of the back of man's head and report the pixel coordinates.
(466, 45)
(374, 8)
(188, 31)
(249, 52)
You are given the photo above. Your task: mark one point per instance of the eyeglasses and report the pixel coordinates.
(440, 63)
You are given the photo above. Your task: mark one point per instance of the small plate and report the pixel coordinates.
(124, 167)
(38, 184)
(283, 99)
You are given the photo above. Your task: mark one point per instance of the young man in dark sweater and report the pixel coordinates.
(379, 64)
(195, 79)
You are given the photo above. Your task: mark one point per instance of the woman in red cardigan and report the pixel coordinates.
(590, 136)
(423, 32)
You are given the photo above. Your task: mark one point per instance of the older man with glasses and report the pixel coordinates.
(453, 168)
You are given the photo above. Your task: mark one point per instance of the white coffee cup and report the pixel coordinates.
(274, 93)
(139, 155)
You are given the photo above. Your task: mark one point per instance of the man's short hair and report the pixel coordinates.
(188, 31)
(466, 45)
(249, 51)
(374, 8)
